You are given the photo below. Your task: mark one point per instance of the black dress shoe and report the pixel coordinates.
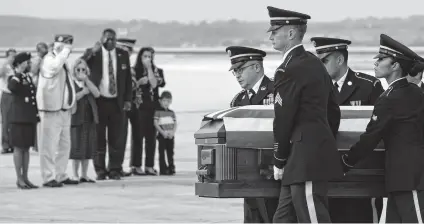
(125, 174)
(101, 177)
(151, 172)
(31, 185)
(52, 183)
(86, 180)
(114, 176)
(70, 182)
(135, 172)
(23, 186)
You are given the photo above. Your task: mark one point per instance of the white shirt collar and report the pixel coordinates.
(396, 81)
(105, 52)
(341, 80)
(420, 84)
(287, 52)
(257, 85)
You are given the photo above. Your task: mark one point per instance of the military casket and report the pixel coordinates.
(235, 151)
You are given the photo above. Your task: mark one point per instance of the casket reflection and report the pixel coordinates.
(235, 151)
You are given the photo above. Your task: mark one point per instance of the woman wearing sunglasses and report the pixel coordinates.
(84, 120)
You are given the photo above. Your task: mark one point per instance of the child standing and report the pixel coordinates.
(84, 120)
(166, 124)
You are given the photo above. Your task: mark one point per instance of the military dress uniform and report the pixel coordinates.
(354, 89)
(24, 113)
(397, 119)
(306, 120)
(256, 210)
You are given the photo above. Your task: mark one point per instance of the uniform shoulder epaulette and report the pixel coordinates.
(235, 98)
(365, 77)
(389, 90)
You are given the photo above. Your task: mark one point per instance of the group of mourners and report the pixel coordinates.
(82, 112)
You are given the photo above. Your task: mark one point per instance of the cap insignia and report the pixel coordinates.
(229, 53)
(60, 38)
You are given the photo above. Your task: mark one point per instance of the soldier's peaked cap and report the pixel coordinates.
(389, 47)
(327, 45)
(240, 55)
(64, 38)
(127, 42)
(21, 57)
(281, 17)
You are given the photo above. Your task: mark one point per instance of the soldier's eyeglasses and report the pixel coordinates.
(239, 71)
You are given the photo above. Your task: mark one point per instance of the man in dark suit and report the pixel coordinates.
(306, 120)
(111, 73)
(355, 89)
(247, 67)
(397, 120)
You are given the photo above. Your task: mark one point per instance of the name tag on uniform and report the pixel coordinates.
(355, 103)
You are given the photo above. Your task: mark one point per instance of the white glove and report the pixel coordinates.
(278, 173)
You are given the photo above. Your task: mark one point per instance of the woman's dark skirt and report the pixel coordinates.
(83, 141)
(22, 135)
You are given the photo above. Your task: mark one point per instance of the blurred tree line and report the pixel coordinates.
(18, 31)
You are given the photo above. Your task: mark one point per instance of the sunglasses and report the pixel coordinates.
(81, 70)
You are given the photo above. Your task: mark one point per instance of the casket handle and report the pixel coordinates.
(203, 173)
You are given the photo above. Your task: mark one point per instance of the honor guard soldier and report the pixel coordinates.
(306, 120)
(247, 67)
(397, 119)
(354, 89)
(417, 74)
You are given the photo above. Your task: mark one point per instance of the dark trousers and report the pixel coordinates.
(404, 207)
(136, 141)
(259, 210)
(5, 105)
(111, 118)
(147, 132)
(303, 203)
(355, 210)
(166, 147)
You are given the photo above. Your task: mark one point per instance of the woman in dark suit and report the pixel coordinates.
(146, 98)
(23, 117)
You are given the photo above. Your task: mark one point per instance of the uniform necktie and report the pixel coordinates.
(336, 86)
(251, 94)
(112, 81)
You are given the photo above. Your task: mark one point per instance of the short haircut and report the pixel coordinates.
(9, 51)
(109, 30)
(166, 95)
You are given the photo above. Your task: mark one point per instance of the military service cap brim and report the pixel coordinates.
(240, 55)
(282, 17)
(64, 38)
(126, 42)
(21, 57)
(326, 45)
(392, 48)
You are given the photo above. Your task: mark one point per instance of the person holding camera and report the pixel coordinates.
(55, 98)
